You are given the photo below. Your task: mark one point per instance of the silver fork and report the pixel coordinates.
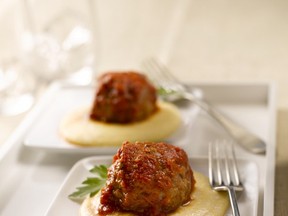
(171, 90)
(223, 172)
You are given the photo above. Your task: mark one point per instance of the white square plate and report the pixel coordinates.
(44, 133)
(62, 205)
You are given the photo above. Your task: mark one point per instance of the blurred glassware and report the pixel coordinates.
(59, 39)
(16, 88)
(16, 83)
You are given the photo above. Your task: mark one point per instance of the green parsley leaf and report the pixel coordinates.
(101, 170)
(92, 185)
(162, 91)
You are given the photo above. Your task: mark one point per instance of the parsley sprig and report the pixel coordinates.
(91, 185)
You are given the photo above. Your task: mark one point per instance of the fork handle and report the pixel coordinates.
(233, 201)
(240, 134)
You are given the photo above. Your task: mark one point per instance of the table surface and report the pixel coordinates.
(210, 40)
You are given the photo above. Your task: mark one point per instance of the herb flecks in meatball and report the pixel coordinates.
(147, 179)
(123, 97)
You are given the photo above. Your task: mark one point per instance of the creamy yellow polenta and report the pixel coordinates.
(78, 129)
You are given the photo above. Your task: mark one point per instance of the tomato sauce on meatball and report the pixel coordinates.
(123, 97)
(147, 178)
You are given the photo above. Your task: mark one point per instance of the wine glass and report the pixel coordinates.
(16, 82)
(59, 41)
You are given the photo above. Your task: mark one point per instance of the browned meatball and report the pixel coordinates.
(147, 179)
(123, 97)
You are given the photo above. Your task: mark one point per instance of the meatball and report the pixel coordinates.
(123, 97)
(147, 178)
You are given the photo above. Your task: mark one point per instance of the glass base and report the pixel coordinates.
(15, 105)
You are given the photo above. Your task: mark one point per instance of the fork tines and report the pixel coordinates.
(223, 170)
(160, 75)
